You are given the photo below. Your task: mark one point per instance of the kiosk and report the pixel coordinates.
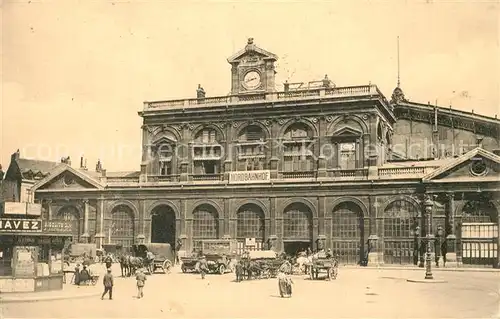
(32, 254)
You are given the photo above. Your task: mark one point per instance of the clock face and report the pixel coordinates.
(251, 81)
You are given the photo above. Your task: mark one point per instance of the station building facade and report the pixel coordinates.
(313, 165)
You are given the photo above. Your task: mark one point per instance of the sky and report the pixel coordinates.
(75, 73)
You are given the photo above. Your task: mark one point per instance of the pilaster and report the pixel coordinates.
(451, 238)
(100, 222)
(85, 236)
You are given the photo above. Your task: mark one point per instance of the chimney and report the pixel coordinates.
(68, 161)
(81, 162)
(200, 92)
(103, 172)
(15, 156)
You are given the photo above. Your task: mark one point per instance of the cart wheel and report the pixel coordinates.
(332, 273)
(222, 269)
(94, 281)
(166, 266)
(183, 268)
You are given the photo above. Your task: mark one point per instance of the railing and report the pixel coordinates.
(163, 178)
(363, 90)
(207, 177)
(297, 175)
(395, 171)
(333, 174)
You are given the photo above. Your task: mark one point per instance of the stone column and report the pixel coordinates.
(48, 202)
(99, 222)
(375, 252)
(141, 225)
(85, 236)
(451, 237)
(227, 213)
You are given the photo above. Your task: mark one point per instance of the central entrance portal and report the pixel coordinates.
(163, 225)
(292, 248)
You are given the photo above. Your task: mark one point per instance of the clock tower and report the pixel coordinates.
(252, 70)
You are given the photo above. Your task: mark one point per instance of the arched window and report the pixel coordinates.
(205, 224)
(400, 218)
(250, 222)
(479, 211)
(122, 226)
(70, 213)
(251, 149)
(298, 149)
(348, 232)
(297, 222)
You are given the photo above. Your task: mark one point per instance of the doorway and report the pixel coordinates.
(163, 225)
(293, 247)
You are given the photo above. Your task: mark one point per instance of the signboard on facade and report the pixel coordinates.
(33, 209)
(57, 227)
(15, 208)
(16, 225)
(250, 242)
(247, 177)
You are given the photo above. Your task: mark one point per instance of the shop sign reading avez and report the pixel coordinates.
(20, 225)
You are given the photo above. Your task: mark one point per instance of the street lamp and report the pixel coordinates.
(416, 246)
(428, 203)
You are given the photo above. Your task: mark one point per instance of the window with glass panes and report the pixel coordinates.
(251, 149)
(346, 221)
(298, 148)
(479, 211)
(205, 223)
(70, 214)
(122, 226)
(347, 155)
(297, 223)
(250, 222)
(165, 154)
(399, 219)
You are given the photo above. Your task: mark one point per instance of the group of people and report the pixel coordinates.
(108, 280)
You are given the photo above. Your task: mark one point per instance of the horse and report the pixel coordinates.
(135, 263)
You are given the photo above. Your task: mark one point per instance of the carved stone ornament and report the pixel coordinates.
(221, 124)
(329, 118)
(297, 118)
(236, 124)
(281, 121)
(365, 116)
(267, 122)
(314, 119)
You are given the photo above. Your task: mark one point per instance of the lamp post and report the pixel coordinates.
(416, 245)
(428, 203)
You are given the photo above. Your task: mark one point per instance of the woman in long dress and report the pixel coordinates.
(282, 284)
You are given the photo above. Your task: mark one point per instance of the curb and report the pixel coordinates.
(46, 298)
(490, 270)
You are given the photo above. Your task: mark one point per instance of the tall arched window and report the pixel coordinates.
(251, 149)
(122, 226)
(250, 222)
(164, 149)
(298, 144)
(205, 224)
(400, 221)
(297, 222)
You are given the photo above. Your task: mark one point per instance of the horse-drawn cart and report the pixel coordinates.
(162, 256)
(321, 263)
(260, 264)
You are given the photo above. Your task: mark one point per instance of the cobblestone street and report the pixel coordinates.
(356, 293)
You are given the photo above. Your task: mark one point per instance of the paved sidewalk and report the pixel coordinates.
(69, 291)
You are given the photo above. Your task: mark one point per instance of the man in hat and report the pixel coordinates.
(108, 282)
(108, 261)
(329, 253)
(141, 281)
(203, 267)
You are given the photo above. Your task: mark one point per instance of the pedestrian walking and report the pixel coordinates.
(284, 285)
(203, 267)
(108, 283)
(108, 261)
(141, 281)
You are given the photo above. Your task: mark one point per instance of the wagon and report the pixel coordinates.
(261, 264)
(324, 264)
(163, 256)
